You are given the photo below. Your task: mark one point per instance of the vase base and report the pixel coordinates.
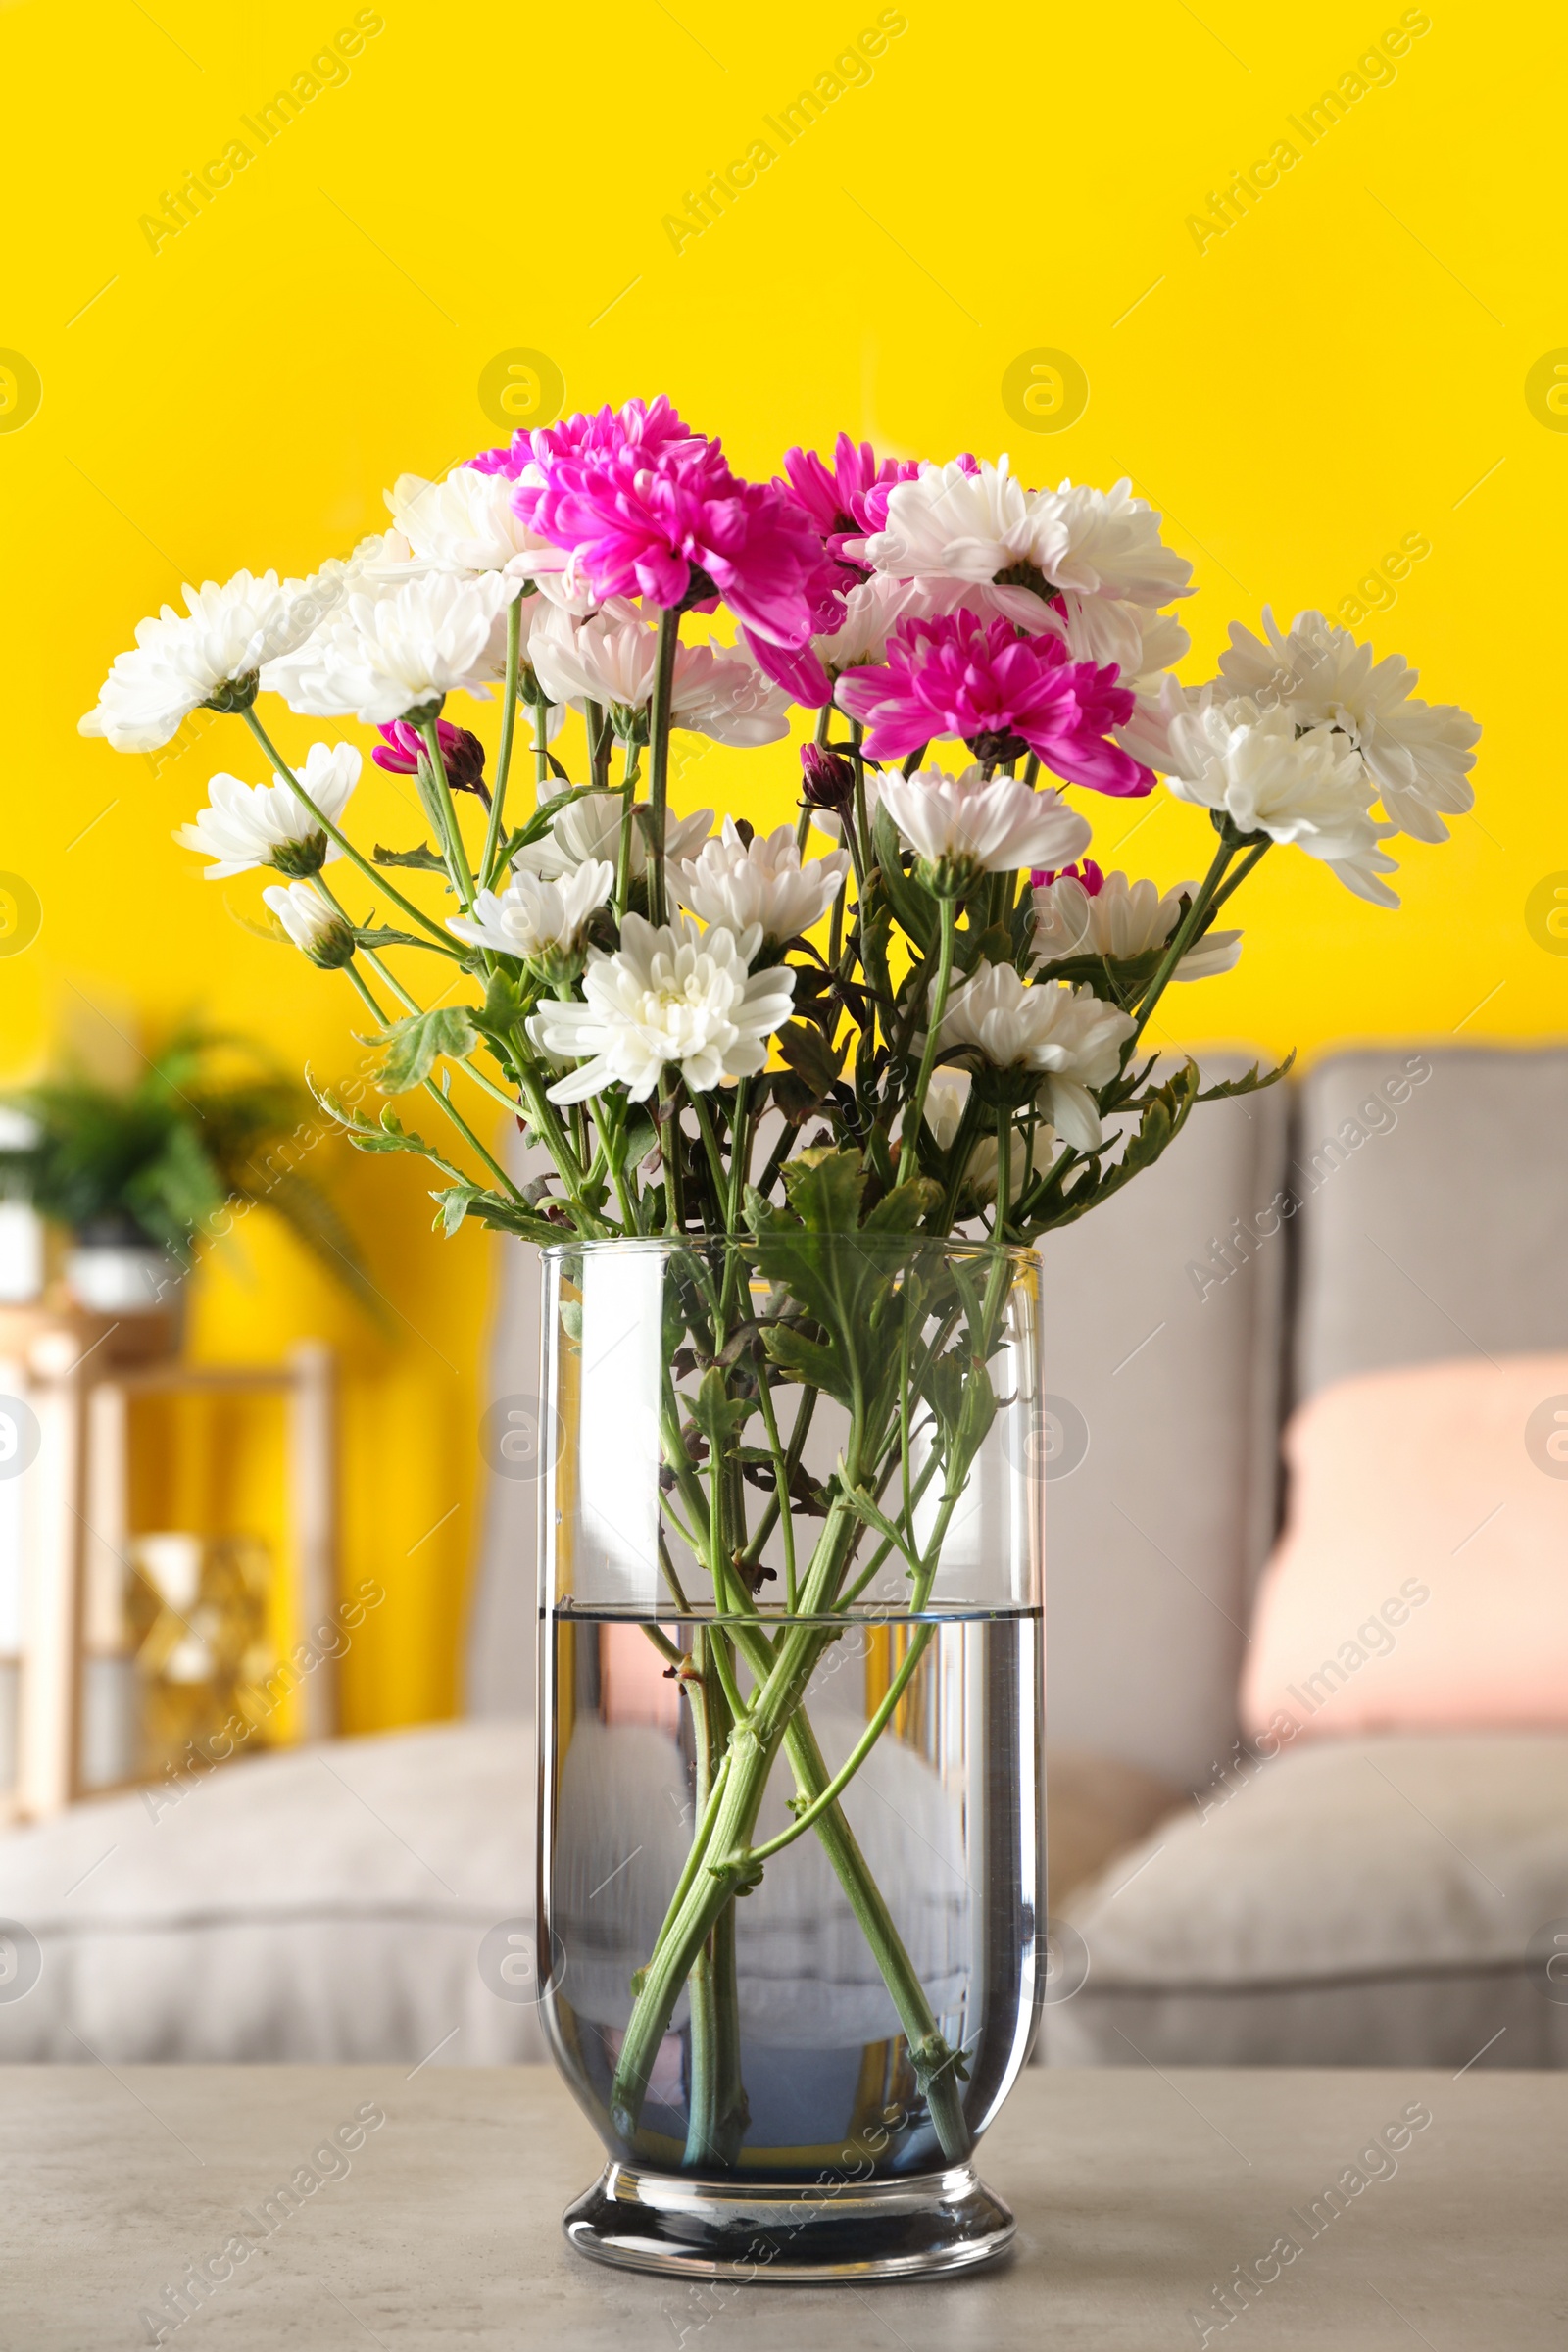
(798, 2233)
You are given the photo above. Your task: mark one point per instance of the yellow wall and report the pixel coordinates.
(1345, 366)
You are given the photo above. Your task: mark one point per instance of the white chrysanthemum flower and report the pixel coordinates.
(1145, 644)
(737, 883)
(316, 929)
(1418, 754)
(945, 1107)
(1111, 546)
(247, 825)
(952, 523)
(184, 660)
(1070, 1036)
(966, 825)
(466, 523)
(676, 995)
(382, 656)
(611, 659)
(872, 611)
(1311, 789)
(1123, 918)
(955, 523)
(540, 921)
(589, 829)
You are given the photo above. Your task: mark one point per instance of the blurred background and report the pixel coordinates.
(1344, 381)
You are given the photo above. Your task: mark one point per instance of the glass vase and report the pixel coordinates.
(791, 1829)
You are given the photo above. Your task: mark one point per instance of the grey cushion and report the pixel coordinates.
(1366, 1902)
(1154, 1542)
(1444, 1230)
(323, 1904)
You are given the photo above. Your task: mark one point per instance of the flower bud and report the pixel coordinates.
(827, 779)
(402, 747)
(316, 929)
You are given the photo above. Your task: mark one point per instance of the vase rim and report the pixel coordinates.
(883, 1245)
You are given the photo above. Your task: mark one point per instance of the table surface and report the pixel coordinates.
(1137, 2193)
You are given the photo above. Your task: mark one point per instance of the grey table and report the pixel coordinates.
(1137, 2194)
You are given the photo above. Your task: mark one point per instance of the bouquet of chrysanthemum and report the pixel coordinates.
(935, 1026)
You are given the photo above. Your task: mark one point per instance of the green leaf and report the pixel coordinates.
(807, 1052)
(499, 1020)
(719, 1416)
(388, 1134)
(900, 1210)
(977, 1409)
(641, 1137)
(824, 1189)
(793, 1099)
(415, 1045)
(809, 1360)
(539, 823)
(1115, 979)
(914, 907)
(378, 936)
(865, 1509)
(423, 858)
(456, 1203)
(1253, 1082)
(1163, 1112)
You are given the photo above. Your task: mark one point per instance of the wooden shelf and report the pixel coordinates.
(77, 1372)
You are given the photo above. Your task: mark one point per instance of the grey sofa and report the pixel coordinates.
(1355, 1902)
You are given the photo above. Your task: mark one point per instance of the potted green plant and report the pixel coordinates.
(137, 1176)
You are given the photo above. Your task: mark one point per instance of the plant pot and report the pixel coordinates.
(791, 2027)
(123, 1277)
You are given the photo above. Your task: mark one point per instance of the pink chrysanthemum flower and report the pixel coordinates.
(835, 496)
(646, 425)
(1004, 694)
(665, 519)
(1086, 874)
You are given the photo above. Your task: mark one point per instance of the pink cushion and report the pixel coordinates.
(1421, 1582)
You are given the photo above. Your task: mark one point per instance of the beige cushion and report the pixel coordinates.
(323, 1904)
(1365, 1902)
(1422, 1580)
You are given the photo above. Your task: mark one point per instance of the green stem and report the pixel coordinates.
(933, 2061)
(494, 834)
(539, 704)
(628, 798)
(545, 1119)
(435, 1092)
(372, 873)
(1186, 932)
(1235, 880)
(410, 1004)
(457, 855)
(600, 740)
(659, 718)
(716, 1158)
(716, 2107)
(909, 1155)
(785, 1517)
